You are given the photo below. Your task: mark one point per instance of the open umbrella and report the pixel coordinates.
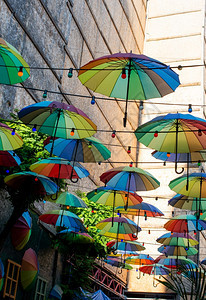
(69, 199)
(75, 237)
(196, 187)
(119, 228)
(29, 269)
(128, 76)
(1, 274)
(188, 203)
(63, 218)
(99, 295)
(173, 261)
(9, 159)
(117, 262)
(155, 270)
(141, 209)
(58, 119)
(38, 184)
(9, 139)
(174, 133)
(129, 179)
(56, 292)
(140, 260)
(81, 150)
(14, 69)
(126, 246)
(177, 239)
(21, 231)
(185, 223)
(177, 250)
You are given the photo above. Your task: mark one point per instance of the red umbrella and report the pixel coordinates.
(21, 231)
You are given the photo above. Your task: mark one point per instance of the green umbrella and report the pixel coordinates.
(13, 68)
(69, 199)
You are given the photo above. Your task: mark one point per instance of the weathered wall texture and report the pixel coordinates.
(64, 34)
(174, 35)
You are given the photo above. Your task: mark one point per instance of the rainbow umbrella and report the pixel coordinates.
(203, 262)
(141, 259)
(69, 199)
(128, 76)
(56, 292)
(155, 269)
(177, 239)
(29, 269)
(9, 139)
(126, 247)
(14, 69)
(188, 203)
(89, 150)
(177, 250)
(9, 159)
(118, 228)
(174, 133)
(173, 261)
(141, 209)
(75, 237)
(196, 187)
(21, 231)
(38, 184)
(58, 119)
(1, 274)
(117, 263)
(56, 167)
(63, 218)
(185, 223)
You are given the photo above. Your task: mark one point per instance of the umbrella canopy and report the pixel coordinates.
(56, 167)
(63, 218)
(58, 119)
(188, 203)
(175, 133)
(185, 223)
(9, 159)
(118, 228)
(141, 259)
(141, 209)
(99, 295)
(203, 262)
(11, 63)
(112, 197)
(9, 140)
(38, 184)
(56, 292)
(198, 156)
(126, 247)
(177, 239)
(84, 150)
(21, 231)
(117, 262)
(155, 269)
(129, 76)
(75, 237)
(1, 274)
(29, 269)
(129, 179)
(173, 261)
(177, 250)
(69, 199)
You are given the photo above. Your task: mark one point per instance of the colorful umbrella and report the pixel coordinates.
(9, 159)
(175, 133)
(203, 262)
(84, 150)
(38, 184)
(118, 228)
(58, 119)
(29, 269)
(117, 263)
(9, 139)
(56, 167)
(56, 292)
(177, 250)
(1, 274)
(188, 203)
(155, 269)
(177, 239)
(129, 76)
(196, 187)
(21, 231)
(141, 259)
(69, 199)
(14, 69)
(185, 223)
(173, 261)
(126, 247)
(75, 237)
(141, 209)
(63, 218)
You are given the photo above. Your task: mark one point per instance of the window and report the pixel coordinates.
(40, 292)
(11, 279)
